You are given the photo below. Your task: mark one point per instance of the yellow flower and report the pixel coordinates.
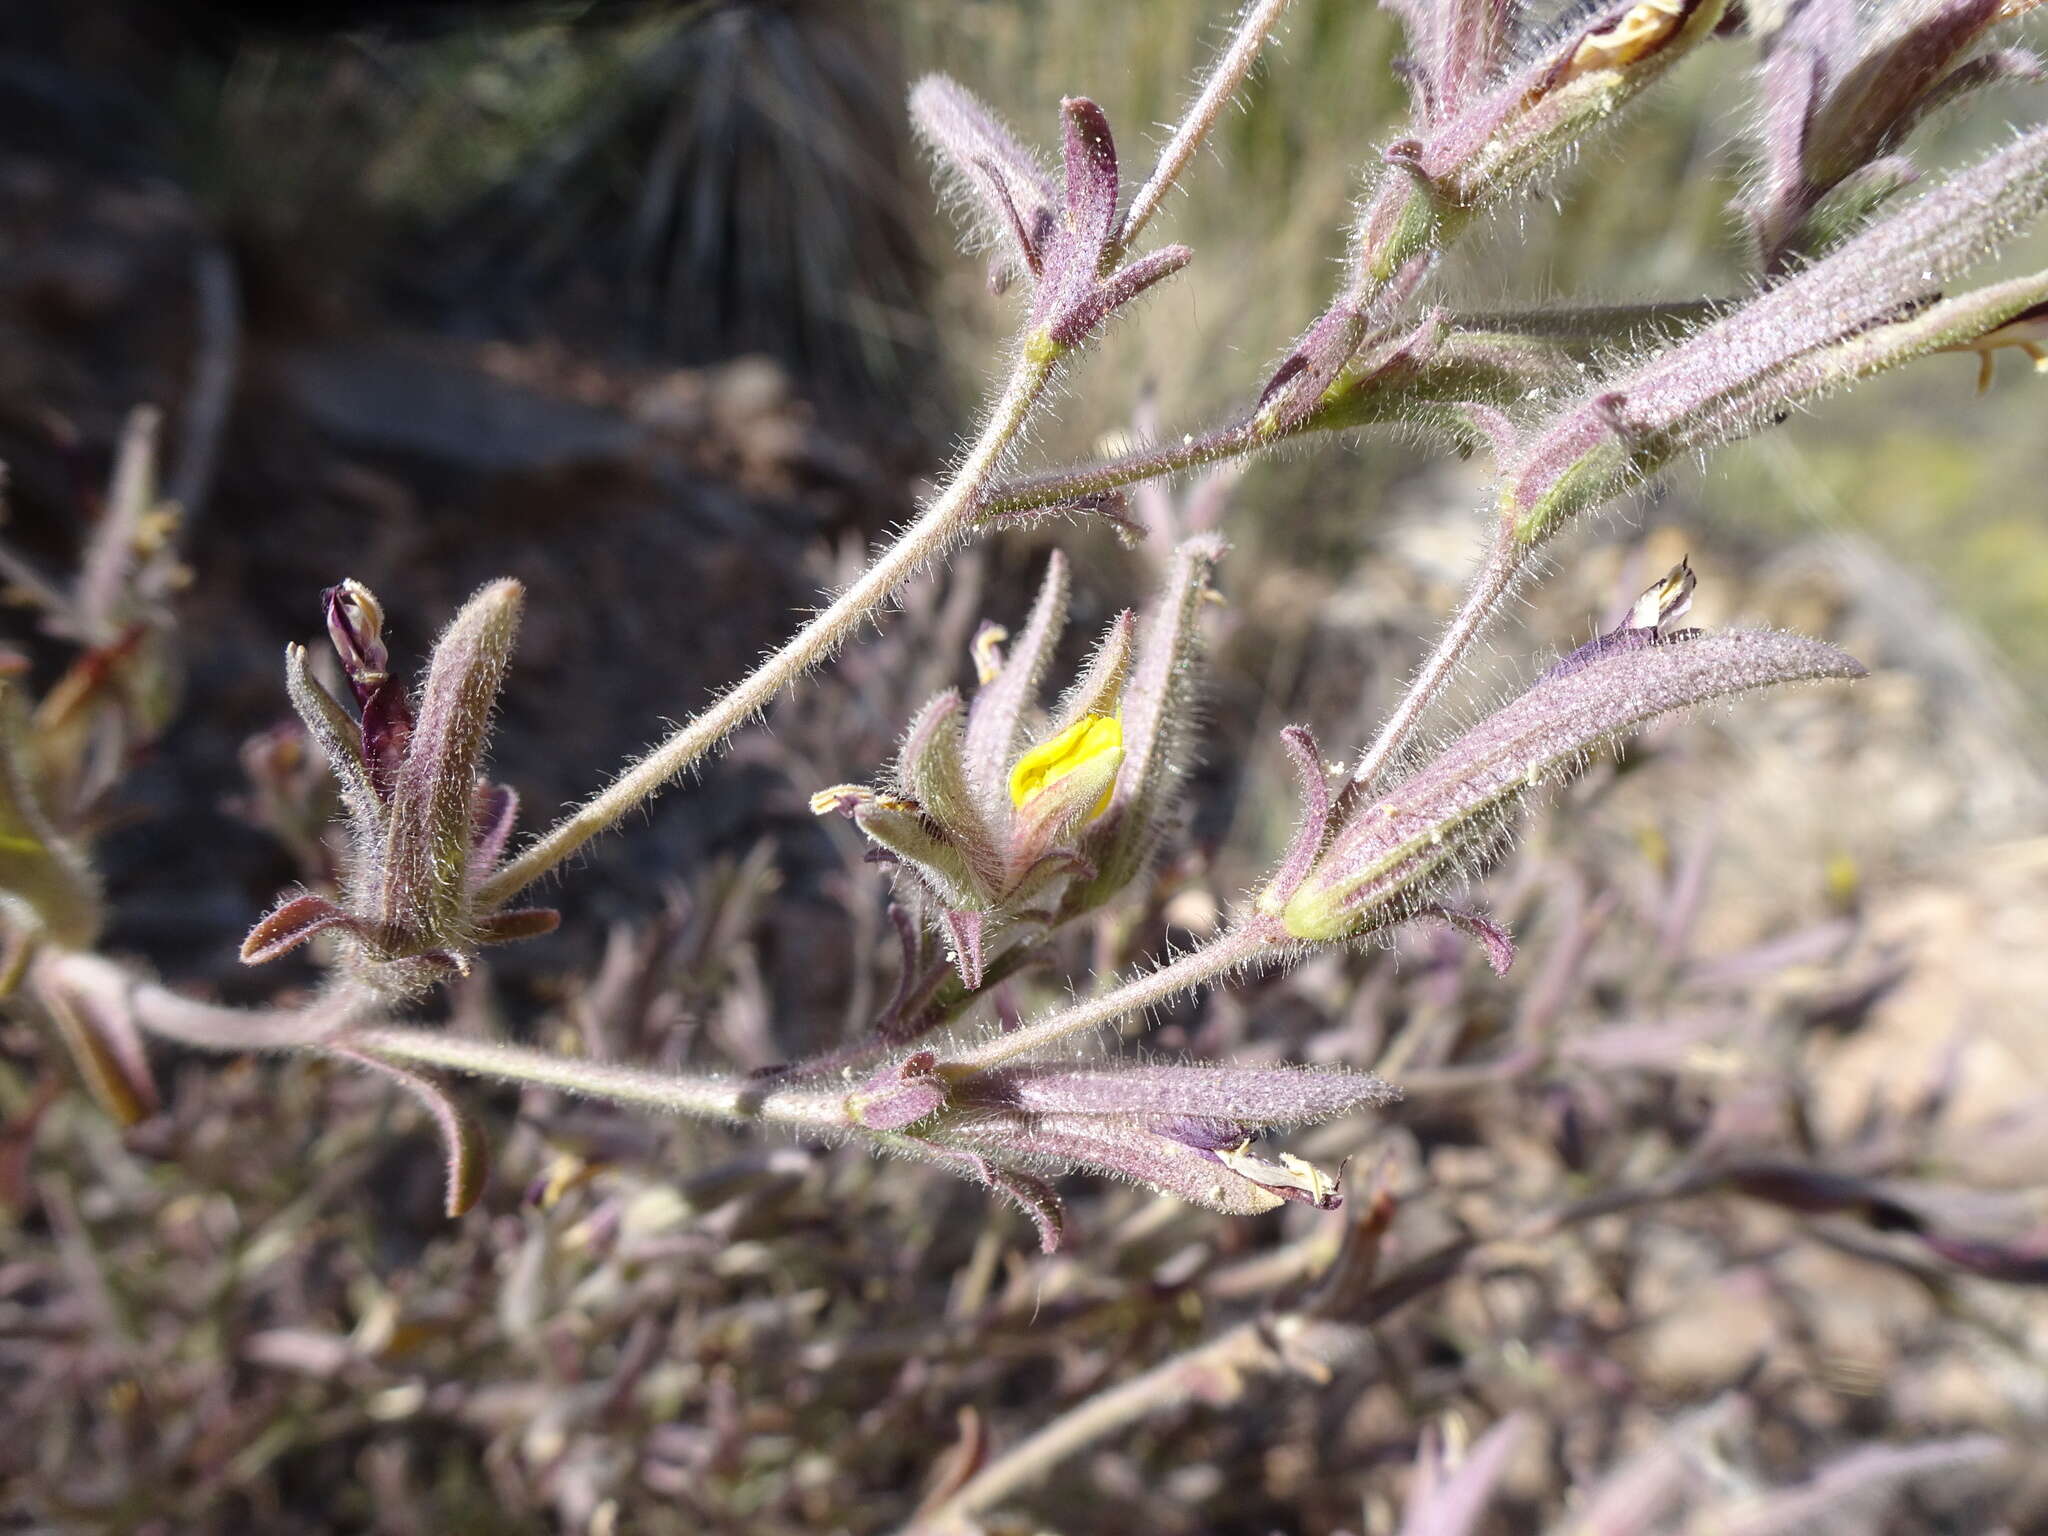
(1086, 741)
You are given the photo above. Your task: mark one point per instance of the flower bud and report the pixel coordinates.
(898, 1095)
(426, 832)
(1382, 865)
(1873, 304)
(355, 624)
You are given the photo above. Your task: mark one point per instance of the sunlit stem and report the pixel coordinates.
(1258, 943)
(943, 522)
(1232, 65)
(707, 1098)
(1490, 585)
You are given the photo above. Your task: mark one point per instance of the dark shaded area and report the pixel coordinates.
(427, 401)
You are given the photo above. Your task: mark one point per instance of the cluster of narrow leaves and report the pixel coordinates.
(424, 831)
(1875, 302)
(1003, 825)
(1363, 862)
(1069, 243)
(1181, 1130)
(1007, 823)
(1840, 98)
(64, 755)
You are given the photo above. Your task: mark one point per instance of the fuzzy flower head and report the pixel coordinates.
(998, 816)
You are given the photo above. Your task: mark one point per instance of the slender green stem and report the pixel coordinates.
(1490, 586)
(1258, 943)
(115, 991)
(1232, 65)
(1028, 493)
(944, 521)
(707, 1098)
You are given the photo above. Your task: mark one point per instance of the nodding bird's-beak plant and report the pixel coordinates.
(1004, 817)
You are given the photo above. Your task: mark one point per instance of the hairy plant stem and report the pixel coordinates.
(707, 1098)
(1491, 584)
(1472, 365)
(1232, 65)
(156, 1008)
(943, 522)
(1258, 942)
(1029, 493)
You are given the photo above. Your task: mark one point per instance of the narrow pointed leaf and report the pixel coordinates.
(1420, 833)
(964, 931)
(1498, 943)
(1030, 1194)
(1297, 386)
(933, 772)
(1245, 1096)
(462, 1140)
(1874, 104)
(1089, 155)
(340, 740)
(1158, 696)
(1451, 1501)
(432, 805)
(1312, 829)
(1099, 690)
(907, 835)
(44, 877)
(1036, 1199)
(1079, 319)
(493, 817)
(995, 722)
(106, 597)
(105, 1046)
(976, 146)
(1852, 313)
(1157, 709)
(519, 923)
(291, 924)
(1142, 1156)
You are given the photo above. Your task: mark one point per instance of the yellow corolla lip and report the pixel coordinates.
(1087, 739)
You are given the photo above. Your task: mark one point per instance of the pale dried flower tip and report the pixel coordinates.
(1484, 129)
